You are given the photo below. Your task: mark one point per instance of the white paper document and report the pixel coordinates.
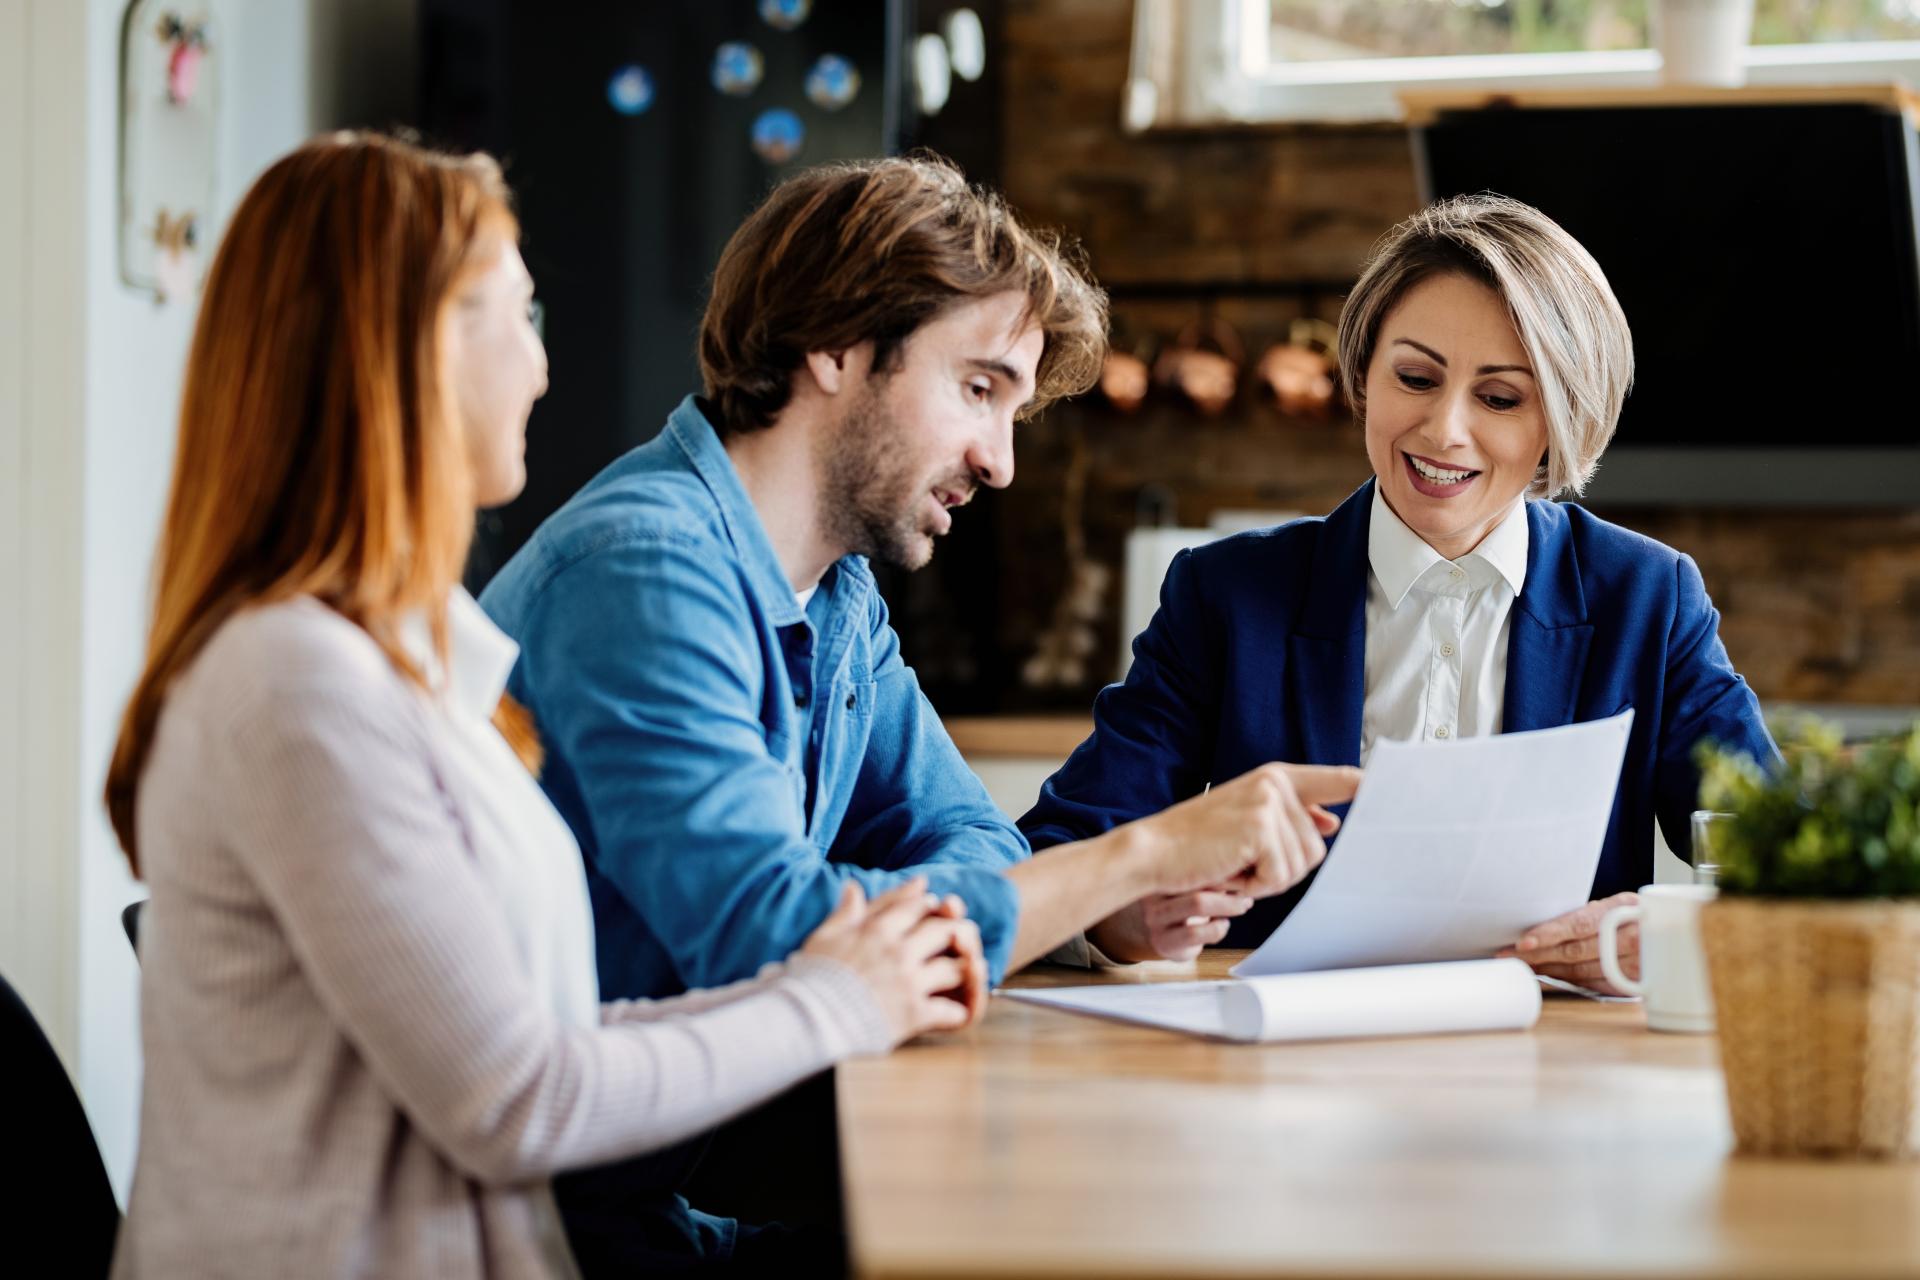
(1392, 1000)
(1452, 850)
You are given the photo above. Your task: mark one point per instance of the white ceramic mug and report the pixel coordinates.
(1673, 968)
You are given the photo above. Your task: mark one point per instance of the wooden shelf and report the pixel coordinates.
(1423, 107)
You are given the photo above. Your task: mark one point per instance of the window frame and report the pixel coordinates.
(1204, 62)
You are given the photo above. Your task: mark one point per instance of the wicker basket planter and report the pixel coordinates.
(1819, 1018)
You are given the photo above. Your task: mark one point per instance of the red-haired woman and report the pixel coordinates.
(370, 1017)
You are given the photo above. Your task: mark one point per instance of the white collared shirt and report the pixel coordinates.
(526, 848)
(1436, 661)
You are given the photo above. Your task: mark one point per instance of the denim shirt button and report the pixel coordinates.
(851, 699)
(799, 699)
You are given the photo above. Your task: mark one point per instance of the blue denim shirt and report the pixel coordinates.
(726, 759)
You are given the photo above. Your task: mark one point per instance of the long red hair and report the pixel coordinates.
(320, 451)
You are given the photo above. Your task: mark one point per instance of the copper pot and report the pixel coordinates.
(1124, 380)
(1203, 364)
(1298, 373)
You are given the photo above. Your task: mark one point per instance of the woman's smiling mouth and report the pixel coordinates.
(1435, 481)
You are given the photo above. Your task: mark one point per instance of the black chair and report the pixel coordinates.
(53, 1184)
(130, 921)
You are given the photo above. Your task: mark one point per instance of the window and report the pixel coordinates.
(1213, 61)
(1302, 31)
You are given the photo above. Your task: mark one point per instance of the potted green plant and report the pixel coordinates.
(1813, 946)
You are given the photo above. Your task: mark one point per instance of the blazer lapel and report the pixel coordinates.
(1326, 651)
(1549, 634)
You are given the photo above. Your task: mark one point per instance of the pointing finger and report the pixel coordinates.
(1324, 783)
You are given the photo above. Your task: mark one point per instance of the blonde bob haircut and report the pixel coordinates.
(1574, 332)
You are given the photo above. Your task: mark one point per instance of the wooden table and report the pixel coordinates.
(1051, 738)
(1043, 1143)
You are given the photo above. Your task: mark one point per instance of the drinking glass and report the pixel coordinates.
(1707, 824)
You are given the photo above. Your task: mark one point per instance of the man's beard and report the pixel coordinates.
(871, 501)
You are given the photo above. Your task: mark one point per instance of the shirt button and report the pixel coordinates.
(799, 699)
(1446, 651)
(850, 701)
(1456, 573)
(1442, 732)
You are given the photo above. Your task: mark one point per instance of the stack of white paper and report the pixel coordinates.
(1452, 850)
(1391, 1000)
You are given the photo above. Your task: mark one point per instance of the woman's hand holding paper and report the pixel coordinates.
(1568, 946)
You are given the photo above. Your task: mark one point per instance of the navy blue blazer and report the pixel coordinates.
(1256, 653)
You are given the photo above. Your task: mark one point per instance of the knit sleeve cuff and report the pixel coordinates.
(845, 998)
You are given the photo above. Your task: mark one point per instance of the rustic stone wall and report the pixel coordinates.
(1256, 227)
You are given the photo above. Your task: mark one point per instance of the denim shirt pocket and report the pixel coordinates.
(853, 698)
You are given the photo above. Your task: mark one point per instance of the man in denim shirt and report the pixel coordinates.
(730, 729)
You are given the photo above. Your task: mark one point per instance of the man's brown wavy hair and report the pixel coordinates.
(869, 251)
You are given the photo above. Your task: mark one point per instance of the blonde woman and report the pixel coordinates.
(1488, 359)
(369, 1009)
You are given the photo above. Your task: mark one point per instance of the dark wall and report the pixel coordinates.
(625, 215)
